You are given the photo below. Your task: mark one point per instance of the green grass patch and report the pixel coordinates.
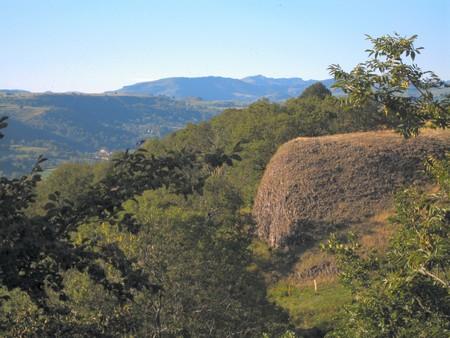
(307, 309)
(261, 250)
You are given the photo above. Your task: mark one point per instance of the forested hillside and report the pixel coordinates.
(75, 126)
(259, 129)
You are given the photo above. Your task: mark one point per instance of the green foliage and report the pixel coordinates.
(407, 292)
(258, 130)
(37, 251)
(386, 79)
(156, 241)
(309, 309)
(72, 127)
(70, 180)
(316, 90)
(198, 250)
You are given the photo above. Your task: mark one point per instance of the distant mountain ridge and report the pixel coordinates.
(13, 91)
(216, 88)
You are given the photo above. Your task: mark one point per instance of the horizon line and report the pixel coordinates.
(160, 79)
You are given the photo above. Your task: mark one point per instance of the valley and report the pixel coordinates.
(74, 127)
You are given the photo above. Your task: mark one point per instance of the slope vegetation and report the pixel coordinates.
(73, 126)
(314, 185)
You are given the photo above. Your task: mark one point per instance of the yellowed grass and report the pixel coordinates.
(312, 184)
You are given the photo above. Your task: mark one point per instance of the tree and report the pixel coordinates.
(387, 78)
(37, 250)
(406, 292)
(316, 90)
(198, 249)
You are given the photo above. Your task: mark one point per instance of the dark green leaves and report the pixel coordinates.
(37, 250)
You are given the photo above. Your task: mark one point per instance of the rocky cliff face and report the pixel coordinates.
(313, 185)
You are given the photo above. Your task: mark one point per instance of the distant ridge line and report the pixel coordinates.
(218, 88)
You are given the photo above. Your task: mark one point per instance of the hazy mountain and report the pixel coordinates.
(222, 88)
(13, 91)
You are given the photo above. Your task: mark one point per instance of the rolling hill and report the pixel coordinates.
(222, 88)
(247, 89)
(74, 126)
(312, 184)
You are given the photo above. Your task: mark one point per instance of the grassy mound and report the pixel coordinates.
(313, 185)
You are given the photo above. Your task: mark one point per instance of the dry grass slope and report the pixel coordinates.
(313, 185)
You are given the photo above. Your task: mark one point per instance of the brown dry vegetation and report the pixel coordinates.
(314, 185)
(332, 183)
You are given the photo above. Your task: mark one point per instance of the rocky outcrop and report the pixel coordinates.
(314, 184)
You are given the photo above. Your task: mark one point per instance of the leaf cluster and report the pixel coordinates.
(38, 249)
(407, 292)
(386, 78)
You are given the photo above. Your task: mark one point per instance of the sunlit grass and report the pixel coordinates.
(307, 308)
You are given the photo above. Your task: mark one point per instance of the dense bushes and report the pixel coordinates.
(406, 292)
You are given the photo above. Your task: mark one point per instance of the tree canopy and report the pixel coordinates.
(316, 90)
(386, 77)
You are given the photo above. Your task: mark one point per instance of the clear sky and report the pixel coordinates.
(99, 45)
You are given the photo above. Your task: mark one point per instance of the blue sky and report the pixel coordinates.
(99, 45)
